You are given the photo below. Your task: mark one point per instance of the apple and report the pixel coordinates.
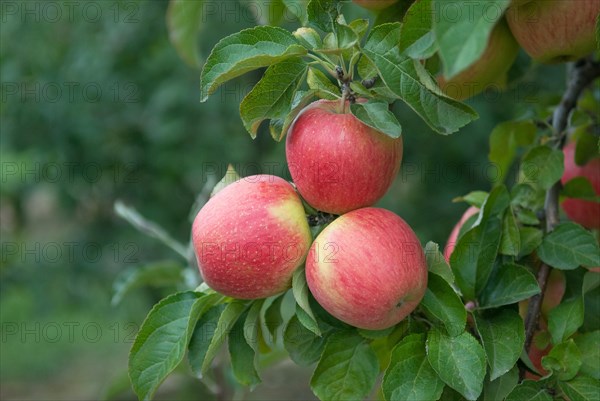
(489, 71)
(453, 238)
(554, 31)
(537, 352)
(586, 213)
(250, 237)
(367, 268)
(375, 5)
(338, 163)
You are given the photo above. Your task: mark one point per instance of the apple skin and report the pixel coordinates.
(375, 5)
(535, 355)
(367, 268)
(338, 163)
(250, 237)
(586, 213)
(487, 72)
(555, 31)
(453, 238)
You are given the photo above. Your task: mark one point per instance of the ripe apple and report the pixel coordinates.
(375, 5)
(586, 213)
(367, 268)
(250, 237)
(453, 238)
(338, 163)
(489, 71)
(554, 31)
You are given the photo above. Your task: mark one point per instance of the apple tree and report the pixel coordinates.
(508, 309)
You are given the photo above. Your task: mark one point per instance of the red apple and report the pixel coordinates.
(536, 353)
(555, 31)
(367, 268)
(375, 4)
(586, 213)
(338, 163)
(489, 71)
(453, 238)
(250, 237)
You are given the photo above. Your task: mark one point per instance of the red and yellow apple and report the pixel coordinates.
(453, 238)
(554, 31)
(250, 237)
(338, 163)
(555, 290)
(375, 5)
(536, 353)
(367, 268)
(489, 71)
(584, 212)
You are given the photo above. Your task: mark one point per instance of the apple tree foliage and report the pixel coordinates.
(467, 339)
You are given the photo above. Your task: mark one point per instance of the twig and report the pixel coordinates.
(581, 74)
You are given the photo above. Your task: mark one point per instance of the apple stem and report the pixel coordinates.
(320, 218)
(581, 74)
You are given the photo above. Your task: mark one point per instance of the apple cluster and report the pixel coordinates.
(367, 267)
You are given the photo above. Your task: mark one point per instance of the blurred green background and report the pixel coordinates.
(98, 106)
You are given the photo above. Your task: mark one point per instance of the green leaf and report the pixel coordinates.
(297, 8)
(580, 188)
(359, 26)
(301, 101)
(586, 147)
(542, 166)
(159, 274)
(503, 337)
(318, 81)
(563, 360)
(303, 346)
(307, 321)
(496, 202)
(504, 140)
(510, 242)
(531, 391)
(410, 377)
(161, 342)
(376, 334)
(528, 197)
(245, 51)
(565, 319)
(273, 95)
(408, 80)
(581, 388)
(347, 370)
(459, 361)
(323, 14)
(308, 37)
(417, 40)
(252, 324)
(301, 295)
(509, 283)
(462, 39)
(475, 198)
(272, 316)
(474, 255)
(589, 343)
(530, 239)
(441, 302)
(568, 247)
(243, 356)
(203, 333)
(227, 319)
(376, 114)
(436, 263)
(183, 23)
(230, 177)
(498, 389)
